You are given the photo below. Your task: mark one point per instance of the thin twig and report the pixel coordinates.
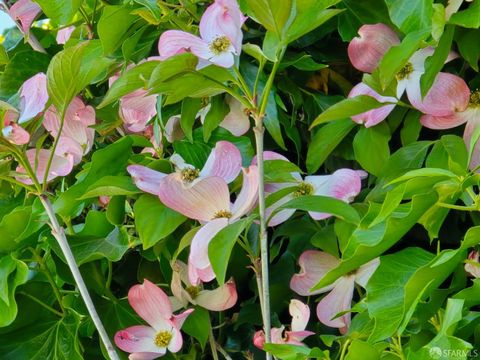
(213, 344)
(59, 234)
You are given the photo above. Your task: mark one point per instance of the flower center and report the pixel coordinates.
(405, 71)
(220, 45)
(162, 339)
(475, 99)
(303, 189)
(189, 174)
(193, 291)
(222, 214)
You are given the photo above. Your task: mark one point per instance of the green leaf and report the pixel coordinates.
(131, 80)
(22, 66)
(111, 160)
(371, 147)
(425, 172)
(361, 350)
(170, 68)
(310, 14)
(190, 108)
(396, 58)
(218, 110)
(221, 246)
(469, 18)
(198, 325)
(154, 221)
(115, 21)
(12, 274)
(408, 16)
(323, 204)
(116, 210)
(468, 47)
(60, 12)
(4, 59)
(347, 108)
(72, 69)
(111, 186)
(272, 14)
(325, 140)
(280, 171)
(434, 63)
(47, 339)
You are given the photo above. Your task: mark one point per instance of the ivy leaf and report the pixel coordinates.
(13, 273)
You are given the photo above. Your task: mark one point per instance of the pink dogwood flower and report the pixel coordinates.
(13, 132)
(300, 313)
(343, 184)
(25, 12)
(63, 35)
(219, 299)
(472, 266)
(77, 135)
(150, 342)
(33, 97)
(224, 161)
(61, 166)
(313, 267)
(220, 36)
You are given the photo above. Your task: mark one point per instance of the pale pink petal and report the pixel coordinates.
(366, 51)
(180, 271)
(64, 34)
(176, 342)
(222, 298)
(225, 59)
(259, 339)
(104, 200)
(224, 161)
(25, 11)
(136, 110)
(179, 319)
(313, 267)
(296, 337)
(248, 195)
(338, 300)
(137, 339)
(15, 134)
(60, 166)
(472, 115)
(365, 272)
(146, 179)
(442, 122)
(375, 116)
(196, 275)
(198, 258)
(151, 304)
(282, 215)
(343, 184)
(145, 355)
(67, 146)
(473, 269)
(269, 155)
(276, 335)
(201, 200)
(173, 42)
(173, 130)
(33, 97)
(448, 94)
(237, 120)
(300, 313)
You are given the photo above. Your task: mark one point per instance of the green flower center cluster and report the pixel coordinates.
(193, 291)
(222, 214)
(189, 174)
(405, 71)
(475, 99)
(162, 339)
(220, 45)
(303, 189)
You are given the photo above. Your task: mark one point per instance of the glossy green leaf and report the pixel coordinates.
(111, 186)
(273, 15)
(469, 18)
(116, 210)
(218, 110)
(60, 11)
(13, 273)
(190, 108)
(361, 350)
(112, 36)
(371, 147)
(468, 47)
(198, 325)
(408, 16)
(154, 221)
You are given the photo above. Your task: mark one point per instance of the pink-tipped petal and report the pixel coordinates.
(60, 166)
(442, 122)
(269, 155)
(282, 215)
(222, 298)
(33, 97)
(313, 267)
(198, 258)
(343, 184)
(67, 146)
(146, 179)
(145, 356)
(473, 268)
(248, 195)
(276, 335)
(448, 94)
(25, 11)
(366, 51)
(375, 116)
(338, 300)
(259, 339)
(296, 337)
(173, 42)
(201, 200)
(13, 132)
(63, 35)
(365, 272)
(224, 161)
(179, 319)
(136, 110)
(472, 116)
(137, 339)
(151, 304)
(237, 120)
(300, 313)
(173, 130)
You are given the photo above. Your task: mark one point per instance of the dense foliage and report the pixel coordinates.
(286, 178)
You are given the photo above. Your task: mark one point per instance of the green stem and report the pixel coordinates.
(16, 182)
(213, 344)
(52, 150)
(243, 83)
(257, 79)
(458, 207)
(49, 308)
(344, 349)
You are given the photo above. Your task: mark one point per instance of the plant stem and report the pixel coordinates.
(223, 352)
(39, 302)
(59, 234)
(213, 344)
(54, 147)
